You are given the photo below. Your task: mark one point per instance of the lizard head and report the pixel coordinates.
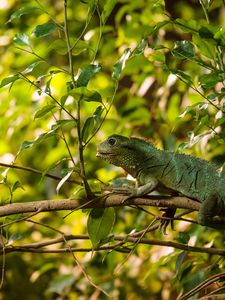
(124, 152)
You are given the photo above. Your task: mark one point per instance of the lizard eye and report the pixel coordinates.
(112, 141)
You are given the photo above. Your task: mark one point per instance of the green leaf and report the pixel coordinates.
(38, 139)
(180, 259)
(206, 47)
(13, 238)
(120, 65)
(208, 81)
(219, 36)
(26, 144)
(44, 110)
(184, 76)
(61, 283)
(63, 180)
(158, 26)
(82, 93)
(207, 31)
(202, 123)
(79, 193)
(62, 123)
(87, 129)
(10, 79)
(22, 11)
(108, 7)
(21, 39)
(31, 67)
(87, 73)
(183, 50)
(90, 3)
(16, 186)
(183, 237)
(190, 26)
(97, 114)
(140, 47)
(100, 224)
(44, 29)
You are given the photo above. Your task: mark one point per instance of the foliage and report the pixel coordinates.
(72, 73)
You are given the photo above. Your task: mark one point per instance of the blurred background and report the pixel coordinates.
(157, 68)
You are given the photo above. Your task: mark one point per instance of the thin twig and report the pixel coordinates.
(88, 20)
(41, 7)
(124, 239)
(107, 111)
(72, 253)
(32, 170)
(202, 285)
(49, 95)
(41, 58)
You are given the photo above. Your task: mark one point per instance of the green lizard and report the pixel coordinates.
(155, 169)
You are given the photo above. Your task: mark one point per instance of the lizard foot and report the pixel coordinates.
(167, 218)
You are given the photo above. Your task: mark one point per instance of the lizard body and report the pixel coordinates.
(155, 169)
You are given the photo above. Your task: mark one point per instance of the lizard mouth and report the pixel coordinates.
(101, 154)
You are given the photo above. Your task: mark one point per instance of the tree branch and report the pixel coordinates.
(37, 247)
(110, 200)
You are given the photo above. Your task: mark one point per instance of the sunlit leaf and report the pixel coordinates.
(63, 180)
(220, 36)
(13, 238)
(87, 73)
(190, 26)
(207, 47)
(79, 193)
(44, 29)
(183, 49)
(10, 79)
(44, 110)
(26, 144)
(31, 67)
(204, 121)
(140, 47)
(100, 224)
(184, 76)
(120, 65)
(21, 39)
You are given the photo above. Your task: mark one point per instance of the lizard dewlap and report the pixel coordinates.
(183, 174)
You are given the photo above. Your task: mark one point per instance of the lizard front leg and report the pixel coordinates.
(210, 210)
(145, 189)
(141, 190)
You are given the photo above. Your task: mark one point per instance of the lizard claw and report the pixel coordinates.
(167, 218)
